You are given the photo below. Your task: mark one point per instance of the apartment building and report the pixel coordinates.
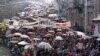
(77, 10)
(97, 7)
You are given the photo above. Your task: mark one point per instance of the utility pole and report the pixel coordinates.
(68, 10)
(86, 14)
(58, 2)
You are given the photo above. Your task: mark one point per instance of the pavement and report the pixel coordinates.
(4, 51)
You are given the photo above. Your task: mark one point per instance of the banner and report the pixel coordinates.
(62, 25)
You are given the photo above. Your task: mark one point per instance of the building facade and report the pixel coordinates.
(97, 7)
(76, 11)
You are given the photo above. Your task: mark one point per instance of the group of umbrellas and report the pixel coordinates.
(28, 45)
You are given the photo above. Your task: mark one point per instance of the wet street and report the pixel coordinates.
(4, 51)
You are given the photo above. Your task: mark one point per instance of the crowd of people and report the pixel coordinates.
(50, 42)
(46, 41)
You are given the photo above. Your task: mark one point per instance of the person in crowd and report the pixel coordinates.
(15, 51)
(69, 44)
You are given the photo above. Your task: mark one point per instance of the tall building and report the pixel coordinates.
(97, 7)
(90, 10)
(76, 9)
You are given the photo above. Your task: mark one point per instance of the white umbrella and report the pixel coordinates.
(58, 38)
(59, 29)
(83, 35)
(80, 34)
(18, 34)
(87, 37)
(11, 27)
(25, 36)
(28, 27)
(13, 41)
(28, 47)
(47, 35)
(23, 43)
(36, 39)
(52, 15)
(51, 31)
(98, 39)
(44, 45)
(70, 33)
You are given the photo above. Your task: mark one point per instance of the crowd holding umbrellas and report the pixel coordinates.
(23, 38)
(55, 42)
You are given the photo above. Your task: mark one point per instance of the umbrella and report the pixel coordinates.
(23, 43)
(17, 34)
(13, 41)
(51, 32)
(24, 36)
(59, 29)
(44, 45)
(52, 15)
(28, 47)
(28, 27)
(58, 38)
(36, 39)
(48, 36)
(11, 27)
(98, 39)
(30, 33)
(70, 33)
(64, 34)
(81, 34)
(87, 37)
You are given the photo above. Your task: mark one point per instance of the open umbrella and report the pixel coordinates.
(51, 31)
(30, 33)
(87, 37)
(23, 43)
(36, 39)
(64, 34)
(28, 27)
(17, 34)
(80, 34)
(28, 47)
(11, 27)
(13, 41)
(25, 36)
(70, 33)
(98, 39)
(48, 35)
(44, 45)
(83, 35)
(58, 38)
(59, 29)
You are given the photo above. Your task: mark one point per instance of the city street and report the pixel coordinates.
(50, 28)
